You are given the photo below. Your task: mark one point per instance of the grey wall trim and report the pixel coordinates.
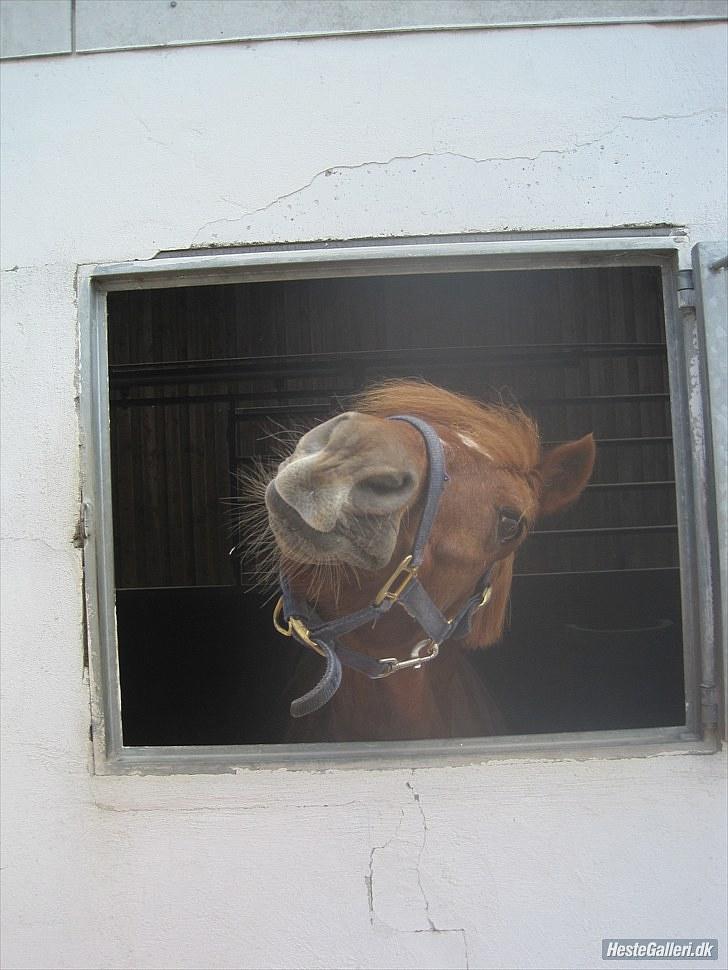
(95, 283)
(29, 28)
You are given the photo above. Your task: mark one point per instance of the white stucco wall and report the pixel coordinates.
(113, 157)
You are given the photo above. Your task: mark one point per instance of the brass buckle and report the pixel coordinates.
(386, 593)
(485, 599)
(295, 628)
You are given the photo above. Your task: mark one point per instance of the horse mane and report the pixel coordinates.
(504, 431)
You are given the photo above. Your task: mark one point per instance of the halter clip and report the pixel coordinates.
(393, 665)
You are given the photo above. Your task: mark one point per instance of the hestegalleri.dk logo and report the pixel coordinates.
(623, 949)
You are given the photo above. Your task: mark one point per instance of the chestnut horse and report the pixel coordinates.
(344, 510)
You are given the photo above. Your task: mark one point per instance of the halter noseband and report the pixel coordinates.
(403, 587)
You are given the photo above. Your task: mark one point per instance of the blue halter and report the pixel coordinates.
(403, 587)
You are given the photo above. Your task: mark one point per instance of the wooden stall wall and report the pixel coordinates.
(201, 377)
(202, 381)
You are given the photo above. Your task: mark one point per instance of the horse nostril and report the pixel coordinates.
(386, 484)
(318, 437)
(383, 491)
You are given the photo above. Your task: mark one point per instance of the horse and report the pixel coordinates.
(343, 510)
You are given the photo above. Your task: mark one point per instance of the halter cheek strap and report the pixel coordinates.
(403, 587)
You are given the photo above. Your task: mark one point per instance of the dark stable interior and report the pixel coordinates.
(201, 376)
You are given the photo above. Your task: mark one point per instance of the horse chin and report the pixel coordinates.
(347, 555)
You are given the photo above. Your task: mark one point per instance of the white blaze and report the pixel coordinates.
(469, 443)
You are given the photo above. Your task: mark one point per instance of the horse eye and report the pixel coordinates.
(510, 525)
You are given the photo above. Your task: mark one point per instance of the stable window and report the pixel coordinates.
(192, 362)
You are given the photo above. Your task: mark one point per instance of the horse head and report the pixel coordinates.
(344, 506)
(345, 509)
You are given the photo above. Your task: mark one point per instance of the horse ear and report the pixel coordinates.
(564, 471)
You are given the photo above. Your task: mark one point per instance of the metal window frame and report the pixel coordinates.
(696, 535)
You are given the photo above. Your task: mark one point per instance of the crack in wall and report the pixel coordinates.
(37, 540)
(383, 163)
(36, 266)
(426, 901)
(369, 880)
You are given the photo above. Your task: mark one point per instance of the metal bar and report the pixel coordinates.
(656, 232)
(336, 394)
(98, 551)
(227, 758)
(126, 402)
(594, 399)
(599, 486)
(601, 442)
(597, 572)
(242, 414)
(605, 530)
(565, 572)
(711, 300)
(355, 356)
(593, 486)
(187, 372)
(681, 380)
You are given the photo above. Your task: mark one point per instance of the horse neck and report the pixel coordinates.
(439, 700)
(442, 699)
